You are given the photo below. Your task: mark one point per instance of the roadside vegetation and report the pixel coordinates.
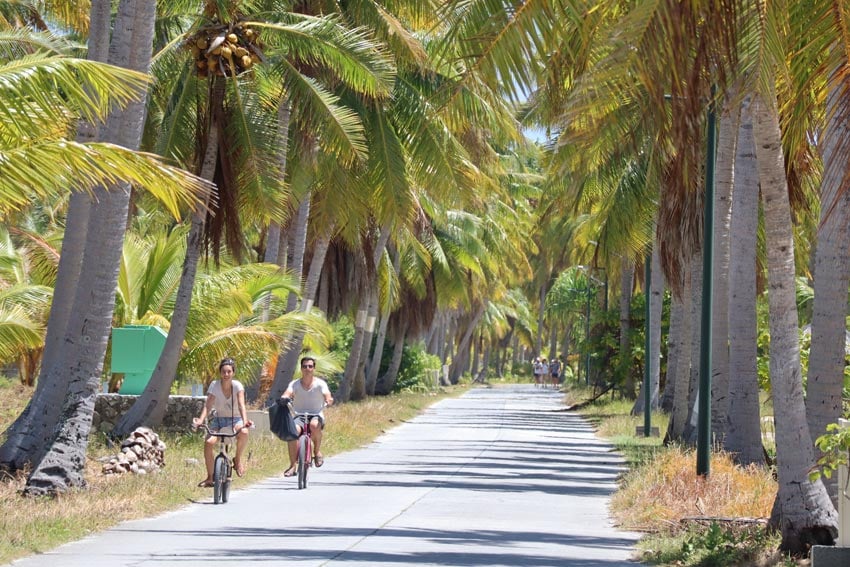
(689, 521)
(35, 525)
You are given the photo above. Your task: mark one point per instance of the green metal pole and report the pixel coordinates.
(647, 395)
(587, 342)
(704, 417)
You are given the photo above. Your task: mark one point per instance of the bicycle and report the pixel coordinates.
(305, 447)
(223, 465)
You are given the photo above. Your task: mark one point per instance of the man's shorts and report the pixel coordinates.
(302, 419)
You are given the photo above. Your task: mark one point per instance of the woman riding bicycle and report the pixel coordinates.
(226, 402)
(309, 396)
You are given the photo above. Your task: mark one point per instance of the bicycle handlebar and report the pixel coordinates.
(209, 431)
(288, 403)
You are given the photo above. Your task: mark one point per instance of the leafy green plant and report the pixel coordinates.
(835, 446)
(415, 366)
(713, 545)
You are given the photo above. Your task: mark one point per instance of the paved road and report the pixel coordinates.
(493, 478)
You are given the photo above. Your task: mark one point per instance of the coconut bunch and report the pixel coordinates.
(225, 50)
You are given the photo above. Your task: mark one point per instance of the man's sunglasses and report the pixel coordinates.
(306, 366)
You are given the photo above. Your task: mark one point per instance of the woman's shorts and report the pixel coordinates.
(219, 423)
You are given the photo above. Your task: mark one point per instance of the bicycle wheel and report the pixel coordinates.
(219, 478)
(225, 487)
(303, 460)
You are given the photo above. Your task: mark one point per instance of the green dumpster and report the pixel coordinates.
(135, 352)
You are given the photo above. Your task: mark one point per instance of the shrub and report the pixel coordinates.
(417, 369)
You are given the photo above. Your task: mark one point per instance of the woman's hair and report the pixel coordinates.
(227, 362)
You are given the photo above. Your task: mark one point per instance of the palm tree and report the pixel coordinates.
(238, 132)
(743, 427)
(49, 165)
(60, 464)
(727, 137)
(803, 512)
(831, 278)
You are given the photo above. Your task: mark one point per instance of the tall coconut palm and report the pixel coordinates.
(724, 180)
(238, 151)
(61, 463)
(831, 278)
(412, 146)
(803, 512)
(743, 427)
(52, 164)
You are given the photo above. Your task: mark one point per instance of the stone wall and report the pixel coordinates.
(178, 416)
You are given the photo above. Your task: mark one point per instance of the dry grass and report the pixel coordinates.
(667, 489)
(33, 525)
(662, 495)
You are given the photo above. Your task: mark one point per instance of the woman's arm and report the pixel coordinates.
(242, 409)
(208, 404)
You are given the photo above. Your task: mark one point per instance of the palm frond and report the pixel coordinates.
(360, 63)
(18, 332)
(30, 88)
(49, 169)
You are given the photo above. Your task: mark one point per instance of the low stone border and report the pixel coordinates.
(109, 408)
(178, 416)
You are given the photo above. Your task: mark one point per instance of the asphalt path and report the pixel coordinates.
(497, 477)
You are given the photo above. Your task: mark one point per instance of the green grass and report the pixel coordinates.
(34, 525)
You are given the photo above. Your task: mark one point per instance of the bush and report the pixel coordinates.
(343, 332)
(418, 369)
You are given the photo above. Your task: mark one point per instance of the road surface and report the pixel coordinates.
(497, 477)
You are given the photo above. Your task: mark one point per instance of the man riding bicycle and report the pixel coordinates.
(309, 396)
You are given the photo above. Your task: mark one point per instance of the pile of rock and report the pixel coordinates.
(142, 452)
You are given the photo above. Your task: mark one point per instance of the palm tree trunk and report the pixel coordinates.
(287, 362)
(375, 363)
(656, 309)
(803, 512)
(61, 464)
(656, 306)
(358, 391)
(46, 402)
(681, 373)
(459, 362)
(346, 385)
(538, 343)
(627, 272)
(476, 355)
(273, 236)
(553, 339)
(743, 431)
(485, 362)
(675, 337)
(832, 276)
(387, 381)
(149, 408)
(720, 272)
(353, 384)
(689, 435)
(298, 244)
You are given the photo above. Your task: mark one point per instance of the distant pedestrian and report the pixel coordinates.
(537, 369)
(544, 372)
(555, 371)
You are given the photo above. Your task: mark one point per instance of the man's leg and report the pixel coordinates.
(316, 434)
(292, 446)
